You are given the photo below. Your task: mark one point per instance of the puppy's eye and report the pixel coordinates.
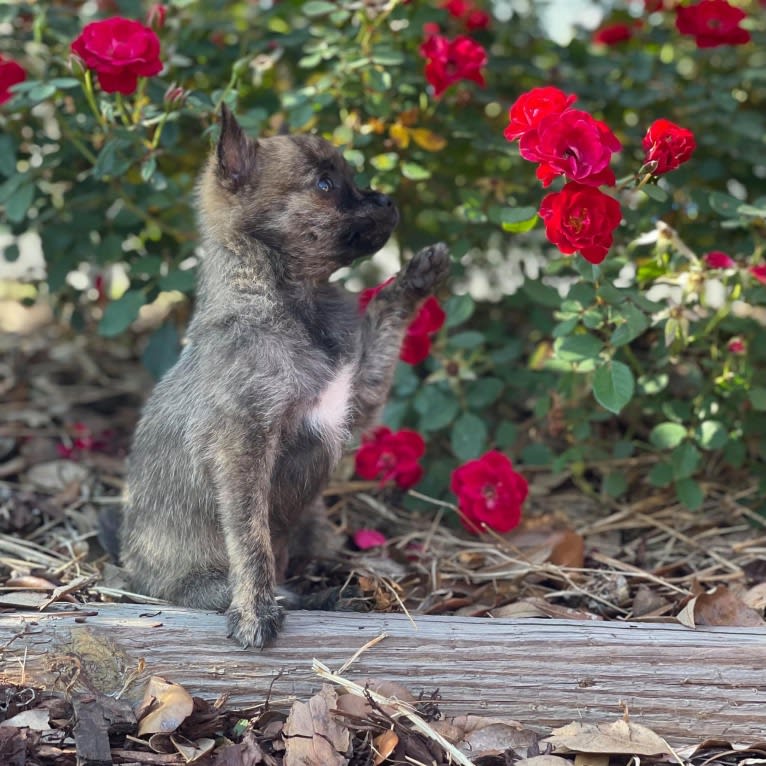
(325, 184)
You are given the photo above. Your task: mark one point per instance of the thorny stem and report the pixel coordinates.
(122, 111)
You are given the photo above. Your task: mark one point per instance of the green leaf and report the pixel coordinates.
(537, 454)
(111, 161)
(385, 161)
(518, 219)
(469, 436)
(615, 484)
(161, 351)
(467, 340)
(183, 281)
(119, 314)
(635, 323)
(318, 8)
(661, 474)
(436, 408)
(459, 309)
(757, 397)
(415, 172)
(17, 205)
(685, 460)
(667, 435)
(7, 155)
(482, 393)
(655, 192)
(613, 385)
(387, 57)
(506, 435)
(542, 294)
(578, 348)
(724, 204)
(690, 493)
(711, 434)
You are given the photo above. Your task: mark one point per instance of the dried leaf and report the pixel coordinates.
(719, 607)
(618, 738)
(37, 719)
(755, 598)
(312, 736)
(568, 549)
(54, 476)
(246, 753)
(591, 759)
(384, 745)
(168, 706)
(478, 736)
(427, 139)
(193, 751)
(544, 760)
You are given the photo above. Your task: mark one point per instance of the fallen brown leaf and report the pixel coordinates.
(312, 736)
(384, 744)
(719, 607)
(477, 736)
(618, 738)
(164, 707)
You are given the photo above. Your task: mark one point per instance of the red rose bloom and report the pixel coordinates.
(573, 144)
(465, 11)
(716, 259)
(391, 456)
(530, 107)
(119, 51)
(712, 23)
(489, 493)
(448, 61)
(667, 144)
(155, 18)
(581, 218)
(759, 272)
(652, 6)
(11, 73)
(416, 345)
(736, 346)
(612, 34)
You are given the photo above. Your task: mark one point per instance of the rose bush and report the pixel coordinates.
(640, 351)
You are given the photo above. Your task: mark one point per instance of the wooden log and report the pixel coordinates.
(685, 684)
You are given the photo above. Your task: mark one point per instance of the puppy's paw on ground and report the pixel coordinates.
(427, 269)
(255, 627)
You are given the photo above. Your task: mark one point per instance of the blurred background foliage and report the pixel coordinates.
(527, 330)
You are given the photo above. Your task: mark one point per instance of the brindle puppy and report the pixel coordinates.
(238, 440)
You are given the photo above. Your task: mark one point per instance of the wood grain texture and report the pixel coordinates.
(685, 684)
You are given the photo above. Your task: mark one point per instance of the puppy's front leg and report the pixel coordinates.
(384, 325)
(243, 468)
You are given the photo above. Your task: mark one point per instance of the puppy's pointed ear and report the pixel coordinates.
(236, 152)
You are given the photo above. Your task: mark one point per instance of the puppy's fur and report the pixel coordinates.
(238, 440)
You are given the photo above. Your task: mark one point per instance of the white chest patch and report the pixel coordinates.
(329, 415)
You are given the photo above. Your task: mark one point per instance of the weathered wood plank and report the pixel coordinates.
(685, 684)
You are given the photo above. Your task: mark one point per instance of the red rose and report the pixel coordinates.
(667, 144)
(391, 456)
(652, 6)
(11, 73)
(368, 538)
(581, 218)
(416, 345)
(612, 34)
(448, 61)
(716, 259)
(712, 23)
(472, 17)
(530, 107)
(759, 272)
(119, 51)
(489, 493)
(573, 144)
(736, 346)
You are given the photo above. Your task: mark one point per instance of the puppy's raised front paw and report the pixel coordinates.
(427, 270)
(257, 625)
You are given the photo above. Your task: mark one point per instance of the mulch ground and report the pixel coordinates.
(67, 409)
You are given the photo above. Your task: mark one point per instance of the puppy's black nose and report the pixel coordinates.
(381, 200)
